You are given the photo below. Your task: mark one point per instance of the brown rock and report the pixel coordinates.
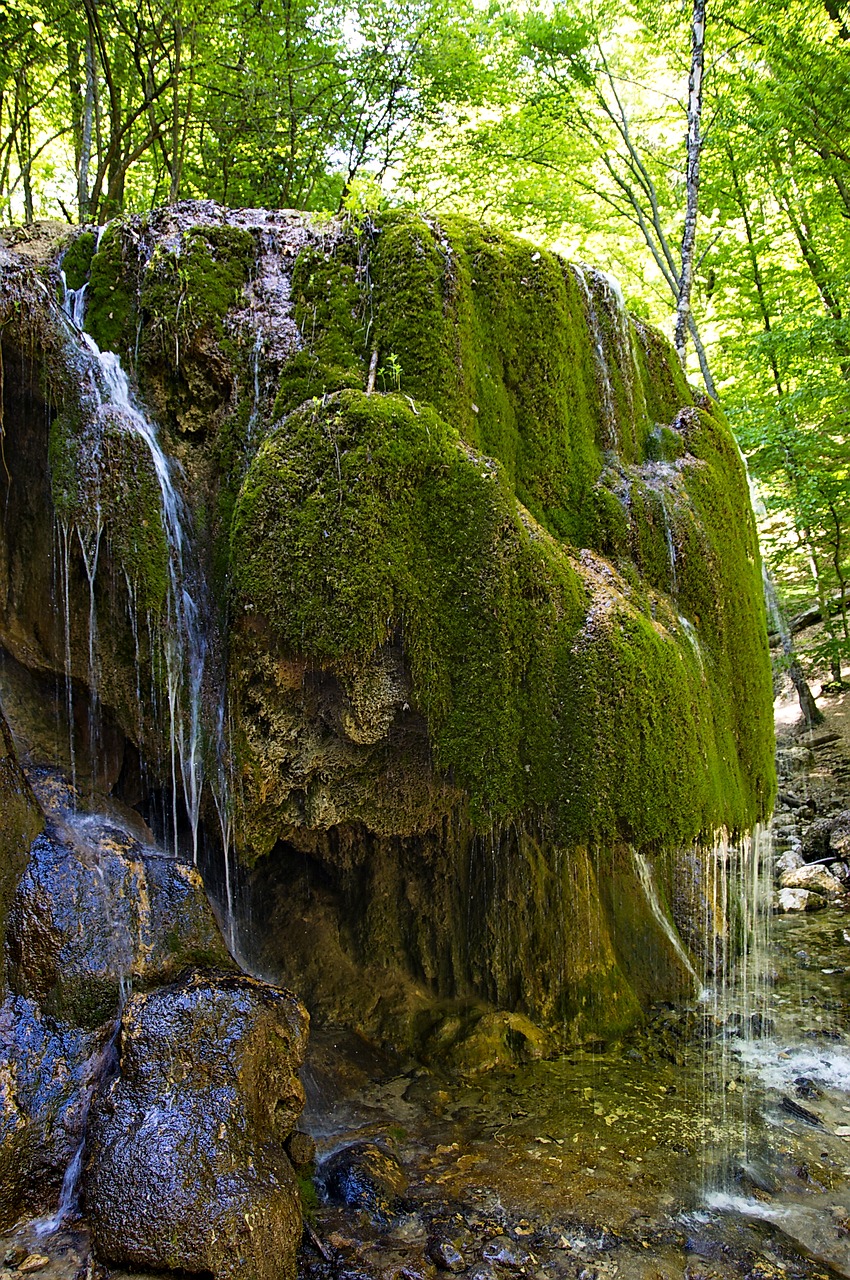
(815, 878)
(186, 1163)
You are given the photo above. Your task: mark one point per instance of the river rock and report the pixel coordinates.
(818, 840)
(789, 860)
(506, 1252)
(800, 900)
(186, 1167)
(445, 1255)
(839, 836)
(365, 1176)
(813, 877)
(94, 909)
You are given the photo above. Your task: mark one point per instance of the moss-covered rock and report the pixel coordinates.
(490, 570)
(541, 676)
(528, 510)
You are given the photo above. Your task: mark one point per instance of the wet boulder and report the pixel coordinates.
(813, 877)
(47, 1075)
(96, 909)
(365, 1176)
(186, 1167)
(799, 900)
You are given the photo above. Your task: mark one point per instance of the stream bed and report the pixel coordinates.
(686, 1149)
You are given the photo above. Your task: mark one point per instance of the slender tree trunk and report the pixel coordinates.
(86, 135)
(176, 158)
(683, 305)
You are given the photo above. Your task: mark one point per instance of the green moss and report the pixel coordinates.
(501, 338)
(329, 311)
(371, 516)
(111, 300)
(664, 444)
(123, 489)
(308, 1195)
(493, 333)
(368, 518)
(665, 385)
(76, 260)
(189, 290)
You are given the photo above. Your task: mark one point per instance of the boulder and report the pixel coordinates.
(96, 909)
(827, 835)
(813, 877)
(365, 1176)
(186, 1168)
(839, 836)
(47, 1075)
(800, 900)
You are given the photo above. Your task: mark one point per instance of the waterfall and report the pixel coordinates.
(738, 993)
(185, 644)
(595, 284)
(671, 545)
(647, 881)
(609, 412)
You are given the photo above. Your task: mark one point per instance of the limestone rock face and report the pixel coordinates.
(487, 627)
(186, 1168)
(21, 822)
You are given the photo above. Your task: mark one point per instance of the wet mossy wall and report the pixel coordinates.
(518, 570)
(518, 417)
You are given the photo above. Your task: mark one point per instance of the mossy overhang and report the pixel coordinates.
(546, 680)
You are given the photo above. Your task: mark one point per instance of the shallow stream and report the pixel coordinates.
(686, 1149)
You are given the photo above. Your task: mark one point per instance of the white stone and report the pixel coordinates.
(800, 900)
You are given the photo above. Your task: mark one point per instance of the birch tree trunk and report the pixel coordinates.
(683, 306)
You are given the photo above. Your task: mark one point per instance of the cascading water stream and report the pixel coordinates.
(185, 644)
(647, 881)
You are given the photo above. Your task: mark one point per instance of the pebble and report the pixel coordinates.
(506, 1253)
(444, 1255)
(35, 1262)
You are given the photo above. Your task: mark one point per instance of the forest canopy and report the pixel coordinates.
(580, 126)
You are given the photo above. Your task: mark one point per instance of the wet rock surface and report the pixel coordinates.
(21, 823)
(186, 1167)
(48, 1071)
(96, 910)
(364, 1176)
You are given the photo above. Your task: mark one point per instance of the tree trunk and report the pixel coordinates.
(683, 305)
(86, 135)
